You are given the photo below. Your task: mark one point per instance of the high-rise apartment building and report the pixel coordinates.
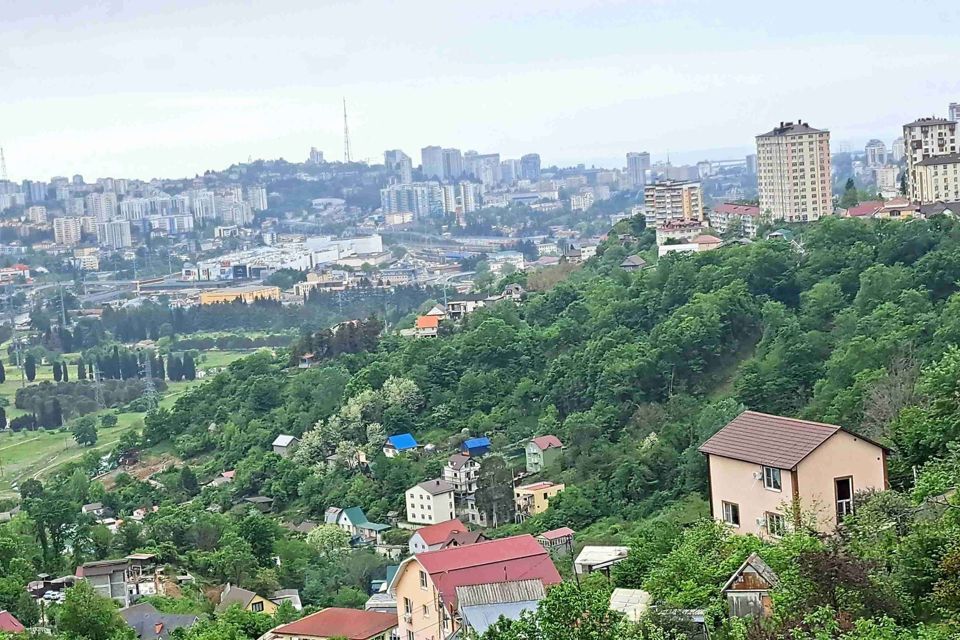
(876, 152)
(431, 160)
(638, 163)
(422, 199)
(257, 197)
(509, 171)
(102, 206)
(66, 231)
(452, 164)
(315, 157)
(938, 178)
(37, 214)
(114, 234)
(530, 167)
(751, 163)
(672, 200)
(470, 196)
(953, 111)
(793, 173)
(898, 150)
(924, 139)
(397, 160)
(35, 191)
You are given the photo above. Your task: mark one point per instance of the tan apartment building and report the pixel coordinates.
(247, 295)
(793, 172)
(923, 139)
(761, 465)
(66, 231)
(672, 200)
(938, 179)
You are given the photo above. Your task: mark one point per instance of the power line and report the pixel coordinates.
(346, 134)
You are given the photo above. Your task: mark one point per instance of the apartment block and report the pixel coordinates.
(672, 200)
(793, 172)
(924, 139)
(938, 179)
(66, 231)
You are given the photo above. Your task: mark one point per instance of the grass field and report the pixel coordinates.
(35, 454)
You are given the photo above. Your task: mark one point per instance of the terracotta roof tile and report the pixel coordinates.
(336, 622)
(773, 441)
(547, 442)
(437, 533)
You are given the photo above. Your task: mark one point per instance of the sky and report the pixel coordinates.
(146, 89)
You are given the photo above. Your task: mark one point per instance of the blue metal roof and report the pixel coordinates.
(476, 443)
(402, 441)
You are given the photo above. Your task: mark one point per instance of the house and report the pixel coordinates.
(287, 595)
(261, 503)
(726, 215)
(285, 445)
(437, 311)
(898, 209)
(599, 558)
(149, 624)
(108, 578)
(475, 446)
(427, 327)
(9, 623)
(332, 515)
(480, 606)
(632, 603)
(432, 537)
(337, 622)
(697, 244)
(542, 452)
(559, 541)
(866, 209)
(308, 360)
(748, 589)
(303, 528)
(247, 600)
(362, 531)
(461, 471)
(513, 292)
(398, 444)
(761, 465)
(465, 305)
(951, 209)
(430, 502)
(97, 510)
(462, 539)
(532, 499)
(633, 263)
(426, 584)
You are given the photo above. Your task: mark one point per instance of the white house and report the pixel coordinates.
(284, 445)
(430, 502)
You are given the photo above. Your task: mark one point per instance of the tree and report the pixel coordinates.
(109, 420)
(3, 418)
(57, 371)
(86, 614)
(160, 373)
(81, 370)
(495, 491)
(329, 539)
(188, 481)
(850, 197)
(85, 431)
(3, 373)
(65, 371)
(189, 367)
(30, 367)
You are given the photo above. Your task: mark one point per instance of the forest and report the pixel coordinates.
(852, 322)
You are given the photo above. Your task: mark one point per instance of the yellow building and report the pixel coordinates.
(246, 294)
(532, 499)
(248, 600)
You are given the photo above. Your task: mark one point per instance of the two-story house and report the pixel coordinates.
(762, 466)
(430, 502)
(354, 521)
(542, 452)
(532, 499)
(432, 537)
(425, 585)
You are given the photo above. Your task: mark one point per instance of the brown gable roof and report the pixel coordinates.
(773, 441)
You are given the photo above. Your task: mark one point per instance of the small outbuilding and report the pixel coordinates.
(748, 589)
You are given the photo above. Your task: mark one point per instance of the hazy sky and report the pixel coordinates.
(171, 88)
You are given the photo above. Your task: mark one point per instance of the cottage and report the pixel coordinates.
(476, 446)
(462, 306)
(532, 499)
(285, 445)
(558, 541)
(225, 477)
(748, 589)
(430, 502)
(599, 558)
(9, 623)
(247, 600)
(308, 360)
(426, 584)
(432, 537)
(542, 452)
(461, 471)
(427, 327)
(362, 531)
(336, 622)
(398, 444)
(149, 624)
(108, 578)
(261, 503)
(761, 465)
(462, 539)
(633, 263)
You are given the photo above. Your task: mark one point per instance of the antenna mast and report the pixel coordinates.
(3, 166)
(346, 134)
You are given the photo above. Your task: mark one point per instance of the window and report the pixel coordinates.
(776, 524)
(771, 478)
(426, 611)
(731, 513)
(407, 605)
(410, 635)
(423, 579)
(256, 606)
(844, 492)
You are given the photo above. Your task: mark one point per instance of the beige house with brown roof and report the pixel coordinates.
(761, 464)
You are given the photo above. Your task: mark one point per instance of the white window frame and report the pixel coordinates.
(775, 530)
(769, 473)
(731, 506)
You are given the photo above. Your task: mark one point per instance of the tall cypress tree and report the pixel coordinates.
(57, 371)
(3, 374)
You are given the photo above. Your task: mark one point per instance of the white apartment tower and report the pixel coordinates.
(672, 200)
(431, 160)
(66, 231)
(876, 152)
(257, 197)
(102, 206)
(637, 166)
(924, 139)
(793, 172)
(114, 234)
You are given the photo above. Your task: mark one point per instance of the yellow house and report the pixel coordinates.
(248, 600)
(246, 294)
(532, 499)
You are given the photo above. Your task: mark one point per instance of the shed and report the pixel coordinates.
(284, 445)
(748, 589)
(476, 446)
(398, 444)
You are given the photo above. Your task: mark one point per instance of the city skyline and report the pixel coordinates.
(146, 93)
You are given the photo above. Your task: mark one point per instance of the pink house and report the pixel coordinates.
(761, 464)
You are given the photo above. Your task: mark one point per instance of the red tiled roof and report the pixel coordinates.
(9, 623)
(546, 442)
(705, 239)
(336, 622)
(428, 322)
(731, 208)
(514, 558)
(864, 209)
(229, 474)
(536, 486)
(437, 533)
(773, 441)
(555, 534)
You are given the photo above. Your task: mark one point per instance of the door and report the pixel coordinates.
(844, 492)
